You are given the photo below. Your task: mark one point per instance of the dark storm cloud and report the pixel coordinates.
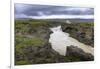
(29, 11)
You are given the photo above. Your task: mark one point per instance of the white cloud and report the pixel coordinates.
(80, 9)
(72, 9)
(43, 16)
(63, 17)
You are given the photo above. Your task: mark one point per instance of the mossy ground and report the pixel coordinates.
(31, 36)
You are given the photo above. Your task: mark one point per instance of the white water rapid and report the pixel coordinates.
(60, 40)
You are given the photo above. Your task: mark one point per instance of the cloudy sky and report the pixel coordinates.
(52, 12)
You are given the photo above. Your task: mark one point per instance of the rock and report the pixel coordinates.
(79, 53)
(83, 33)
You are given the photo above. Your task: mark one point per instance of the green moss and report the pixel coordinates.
(29, 26)
(22, 44)
(38, 23)
(86, 24)
(21, 27)
(20, 40)
(33, 42)
(22, 62)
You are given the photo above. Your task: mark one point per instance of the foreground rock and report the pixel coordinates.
(77, 52)
(45, 54)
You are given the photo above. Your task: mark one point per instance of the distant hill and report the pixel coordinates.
(63, 20)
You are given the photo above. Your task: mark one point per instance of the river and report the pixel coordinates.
(60, 40)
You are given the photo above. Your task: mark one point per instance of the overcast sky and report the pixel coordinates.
(52, 12)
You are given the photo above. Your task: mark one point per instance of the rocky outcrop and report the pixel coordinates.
(45, 54)
(77, 52)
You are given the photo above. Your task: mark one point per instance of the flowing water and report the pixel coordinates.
(60, 40)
